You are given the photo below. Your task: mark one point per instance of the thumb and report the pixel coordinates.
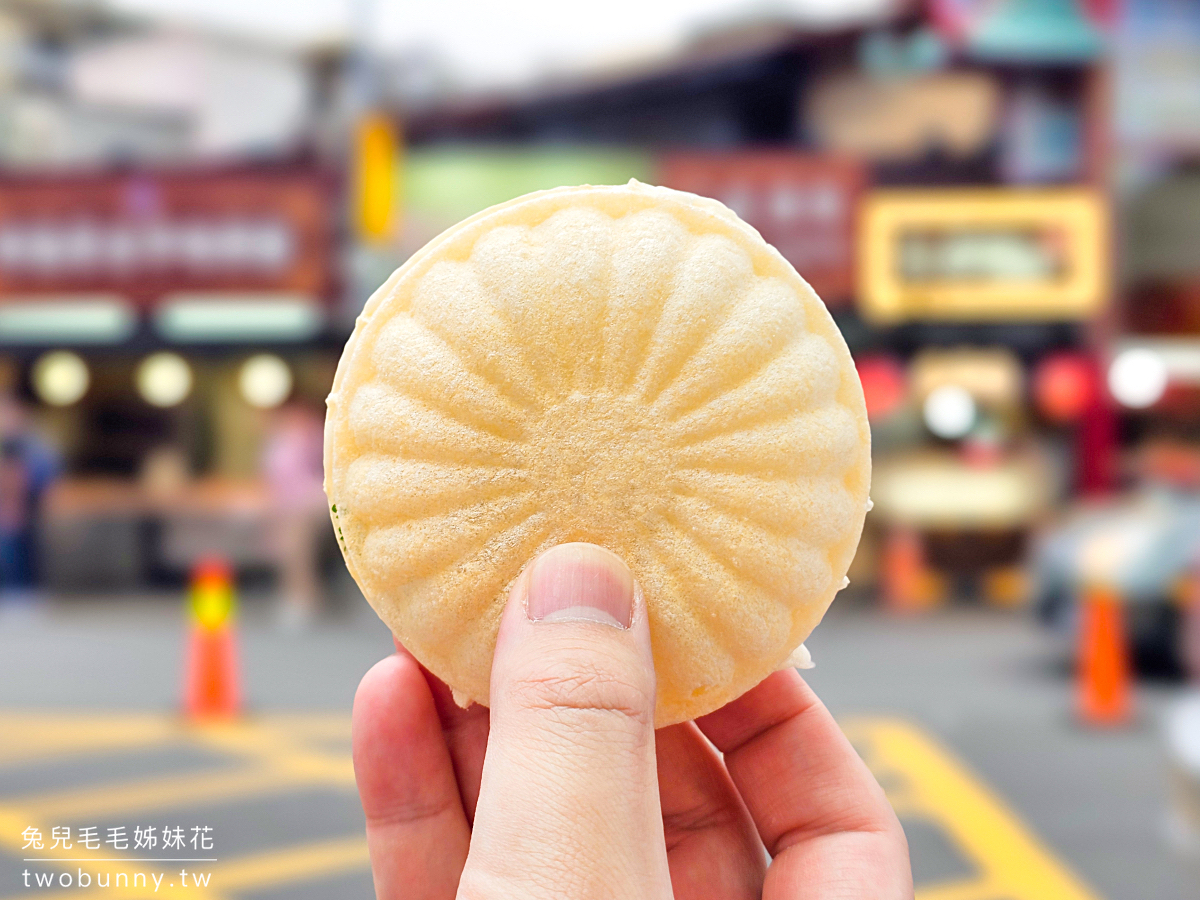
(568, 805)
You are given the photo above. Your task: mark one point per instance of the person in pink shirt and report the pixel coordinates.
(292, 467)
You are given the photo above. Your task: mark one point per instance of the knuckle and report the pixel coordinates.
(577, 691)
(410, 811)
(703, 817)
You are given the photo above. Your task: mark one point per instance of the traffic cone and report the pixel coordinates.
(1103, 660)
(1189, 601)
(211, 686)
(904, 577)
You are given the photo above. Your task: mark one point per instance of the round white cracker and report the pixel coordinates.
(631, 366)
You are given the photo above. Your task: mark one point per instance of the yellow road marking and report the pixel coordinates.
(313, 726)
(289, 864)
(275, 764)
(275, 755)
(35, 736)
(154, 793)
(28, 737)
(975, 889)
(1013, 862)
(273, 747)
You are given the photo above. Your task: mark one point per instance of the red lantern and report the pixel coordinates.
(1064, 386)
(883, 385)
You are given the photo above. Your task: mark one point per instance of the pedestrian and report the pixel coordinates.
(292, 468)
(28, 466)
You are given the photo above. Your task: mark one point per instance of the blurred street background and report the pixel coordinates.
(998, 200)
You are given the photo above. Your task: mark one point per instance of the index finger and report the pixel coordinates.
(795, 769)
(465, 732)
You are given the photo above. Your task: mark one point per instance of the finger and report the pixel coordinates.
(568, 806)
(465, 732)
(712, 846)
(416, 831)
(819, 810)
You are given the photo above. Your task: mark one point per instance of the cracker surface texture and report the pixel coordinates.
(627, 365)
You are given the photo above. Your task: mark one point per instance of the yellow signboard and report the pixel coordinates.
(982, 254)
(377, 154)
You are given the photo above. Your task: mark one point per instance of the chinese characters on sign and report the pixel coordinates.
(957, 254)
(804, 205)
(146, 234)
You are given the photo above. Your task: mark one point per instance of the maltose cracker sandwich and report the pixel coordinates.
(631, 366)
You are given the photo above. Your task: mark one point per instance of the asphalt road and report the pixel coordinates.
(970, 707)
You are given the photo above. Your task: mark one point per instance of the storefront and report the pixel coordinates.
(149, 323)
(978, 441)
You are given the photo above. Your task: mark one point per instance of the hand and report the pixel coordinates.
(565, 790)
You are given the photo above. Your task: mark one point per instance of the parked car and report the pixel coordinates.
(1146, 547)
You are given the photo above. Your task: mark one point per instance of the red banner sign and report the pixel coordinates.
(804, 205)
(149, 233)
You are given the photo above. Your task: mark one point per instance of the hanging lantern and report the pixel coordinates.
(1064, 386)
(884, 385)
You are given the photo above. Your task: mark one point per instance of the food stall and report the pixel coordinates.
(969, 458)
(149, 318)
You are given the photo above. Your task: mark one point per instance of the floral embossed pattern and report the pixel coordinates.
(631, 366)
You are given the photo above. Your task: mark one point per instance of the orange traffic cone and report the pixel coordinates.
(211, 686)
(1103, 660)
(903, 568)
